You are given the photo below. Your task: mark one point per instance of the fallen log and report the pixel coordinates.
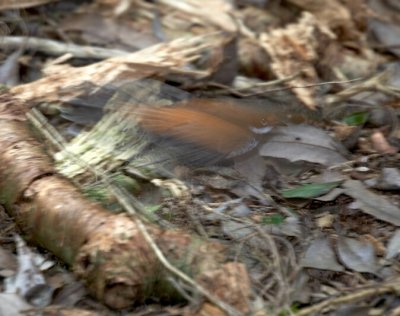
(108, 251)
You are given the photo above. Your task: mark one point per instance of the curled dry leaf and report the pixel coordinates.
(381, 145)
(357, 255)
(297, 48)
(254, 61)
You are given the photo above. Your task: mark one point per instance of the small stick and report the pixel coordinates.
(57, 48)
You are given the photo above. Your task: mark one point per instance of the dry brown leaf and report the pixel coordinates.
(343, 131)
(332, 14)
(108, 31)
(360, 11)
(216, 12)
(178, 15)
(208, 309)
(231, 284)
(294, 49)
(325, 221)
(254, 61)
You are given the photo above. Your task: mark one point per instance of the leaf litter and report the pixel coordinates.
(320, 246)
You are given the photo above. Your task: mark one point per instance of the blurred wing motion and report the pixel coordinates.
(196, 137)
(193, 131)
(94, 101)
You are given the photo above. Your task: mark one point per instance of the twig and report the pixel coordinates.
(376, 83)
(51, 47)
(393, 286)
(238, 93)
(280, 278)
(302, 87)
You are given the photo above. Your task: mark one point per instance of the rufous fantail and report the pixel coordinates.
(201, 131)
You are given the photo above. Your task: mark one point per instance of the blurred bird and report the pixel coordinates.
(195, 131)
